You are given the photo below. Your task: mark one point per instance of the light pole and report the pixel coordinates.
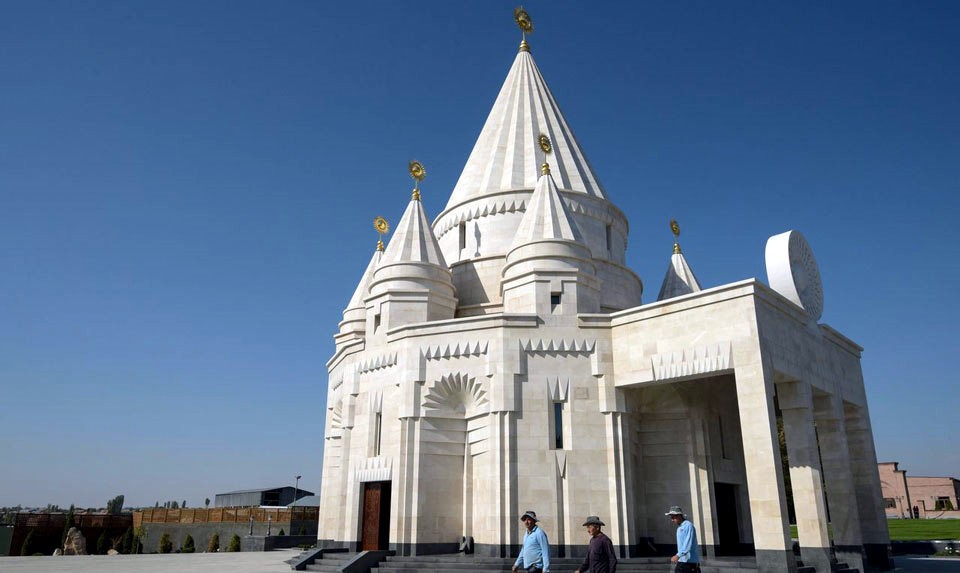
(296, 488)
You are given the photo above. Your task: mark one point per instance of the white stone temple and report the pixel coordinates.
(502, 359)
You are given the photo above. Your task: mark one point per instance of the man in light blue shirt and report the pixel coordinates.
(688, 550)
(535, 553)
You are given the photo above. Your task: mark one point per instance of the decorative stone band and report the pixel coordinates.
(379, 468)
(457, 350)
(569, 345)
(510, 202)
(693, 361)
(377, 363)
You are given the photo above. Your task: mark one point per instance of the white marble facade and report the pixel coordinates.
(468, 336)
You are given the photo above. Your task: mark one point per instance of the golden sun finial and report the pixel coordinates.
(418, 173)
(522, 18)
(675, 227)
(382, 227)
(544, 142)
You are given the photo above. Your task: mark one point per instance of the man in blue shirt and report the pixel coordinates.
(688, 551)
(535, 553)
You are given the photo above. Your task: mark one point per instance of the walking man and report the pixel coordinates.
(600, 555)
(535, 553)
(688, 551)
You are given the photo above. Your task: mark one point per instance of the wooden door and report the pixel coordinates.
(370, 526)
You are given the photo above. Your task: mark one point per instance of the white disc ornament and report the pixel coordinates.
(792, 271)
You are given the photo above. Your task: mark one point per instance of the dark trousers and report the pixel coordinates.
(687, 568)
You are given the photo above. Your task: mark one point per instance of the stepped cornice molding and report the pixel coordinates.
(692, 361)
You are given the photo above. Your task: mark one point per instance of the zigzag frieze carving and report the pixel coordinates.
(337, 384)
(377, 363)
(374, 469)
(569, 345)
(457, 350)
(476, 212)
(692, 361)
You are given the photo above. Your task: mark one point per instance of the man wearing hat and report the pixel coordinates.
(688, 551)
(600, 555)
(535, 553)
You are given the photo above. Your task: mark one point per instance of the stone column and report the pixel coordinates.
(761, 456)
(701, 486)
(866, 482)
(796, 405)
(841, 496)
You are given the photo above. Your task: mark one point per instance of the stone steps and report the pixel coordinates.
(459, 563)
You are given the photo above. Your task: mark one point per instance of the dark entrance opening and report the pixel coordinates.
(375, 509)
(728, 521)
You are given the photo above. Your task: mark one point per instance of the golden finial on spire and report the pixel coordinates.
(382, 227)
(418, 173)
(544, 142)
(522, 18)
(675, 227)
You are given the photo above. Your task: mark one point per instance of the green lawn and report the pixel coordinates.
(915, 529)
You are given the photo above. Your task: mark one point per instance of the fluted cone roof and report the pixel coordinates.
(413, 240)
(363, 288)
(547, 216)
(679, 280)
(506, 155)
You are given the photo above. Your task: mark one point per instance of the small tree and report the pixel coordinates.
(166, 546)
(115, 505)
(103, 543)
(127, 545)
(184, 504)
(138, 536)
(214, 544)
(27, 547)
(282, 532)
(206, 502)
(303, 530)
(188, 545)
(67, 525)
(234, 544)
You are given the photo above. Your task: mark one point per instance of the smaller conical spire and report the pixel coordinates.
(547, 216)
(363, 287)
(679, 279)
(413, 239)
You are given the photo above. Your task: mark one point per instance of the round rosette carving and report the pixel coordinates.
(793, 272)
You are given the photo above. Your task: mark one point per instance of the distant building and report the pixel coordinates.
(269, 497)
(307, 501)
(917, 496)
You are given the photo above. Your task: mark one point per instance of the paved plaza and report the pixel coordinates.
(273, 562)
(260, 562)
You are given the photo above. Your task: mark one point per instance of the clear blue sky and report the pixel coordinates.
(187, 190)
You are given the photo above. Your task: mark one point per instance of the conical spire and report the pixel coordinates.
(679, 279)
(504, 156)
(363, 288)
(547, 217)
(413, 240)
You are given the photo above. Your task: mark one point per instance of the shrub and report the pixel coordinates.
(188, 545)
(282, 532)
(127, 545)
(166, 546)
(27, 547)
(214, 544)
(234, 544)
(303, 530)
(103, 544)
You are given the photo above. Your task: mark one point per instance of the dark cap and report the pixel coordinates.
(593, 520)
(531, 514)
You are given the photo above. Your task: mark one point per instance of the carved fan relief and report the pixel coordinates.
(457, 394)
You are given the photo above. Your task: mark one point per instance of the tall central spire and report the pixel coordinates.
(504, 156)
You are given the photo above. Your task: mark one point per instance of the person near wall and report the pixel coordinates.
(601, 557)
(535, 552)
(688, 551)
